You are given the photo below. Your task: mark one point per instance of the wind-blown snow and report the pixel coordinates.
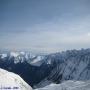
(11, 80)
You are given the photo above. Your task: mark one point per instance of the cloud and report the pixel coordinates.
(60, 26)
(51, 36)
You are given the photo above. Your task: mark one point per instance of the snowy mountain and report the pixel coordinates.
(68, 85)
(76, 66)
(27, 65)
(9, 80)
(69, 65)
(37, 61)
(18, 57)
(42, 70)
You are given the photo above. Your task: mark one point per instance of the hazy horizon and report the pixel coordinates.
(44, 25)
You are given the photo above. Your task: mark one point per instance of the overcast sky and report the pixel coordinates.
(44, 25)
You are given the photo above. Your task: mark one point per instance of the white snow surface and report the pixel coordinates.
(3, 55)
(37, 61)
(68, 85)
(14, 54)
(11, 80)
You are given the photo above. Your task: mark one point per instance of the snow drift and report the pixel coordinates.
(9, 80)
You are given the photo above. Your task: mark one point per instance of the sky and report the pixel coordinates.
(44, 25)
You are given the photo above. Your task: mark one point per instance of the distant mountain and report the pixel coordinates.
(41, 70)
(32, 68)
(68, 65)
(9, 80)
(76, 66)
(18, 57)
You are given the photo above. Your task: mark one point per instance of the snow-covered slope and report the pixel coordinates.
(75, 67)
(12, 81)
(17, 57)
(69, 65)
(3, 55)
(37, 61)
(68, 85)
(52, 68)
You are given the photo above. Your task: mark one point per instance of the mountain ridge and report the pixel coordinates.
(51, 68)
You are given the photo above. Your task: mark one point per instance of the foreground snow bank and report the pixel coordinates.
(68, 85)
(11, 81)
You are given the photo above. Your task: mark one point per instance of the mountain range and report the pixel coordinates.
(42, 70)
